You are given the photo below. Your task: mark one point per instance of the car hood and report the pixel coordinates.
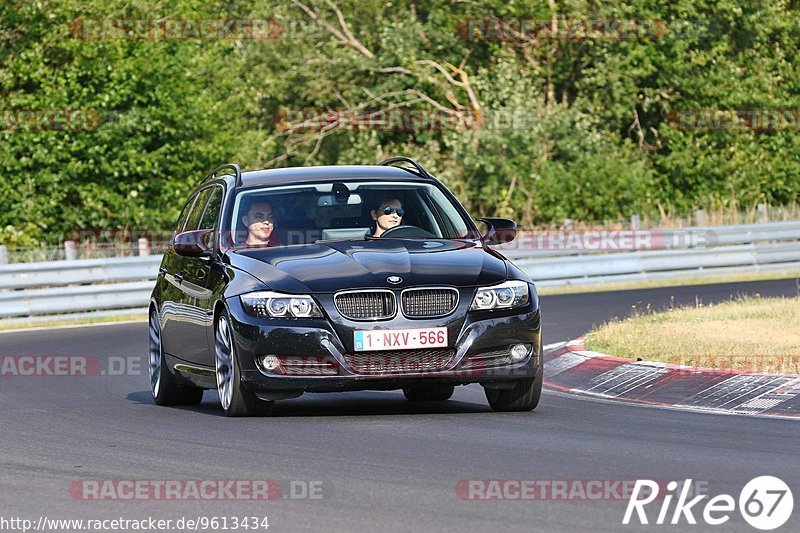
(334, 266)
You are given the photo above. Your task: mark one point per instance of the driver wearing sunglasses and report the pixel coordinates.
(388, 215)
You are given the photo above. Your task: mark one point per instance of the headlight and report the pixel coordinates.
(268, 304)
(507, 295)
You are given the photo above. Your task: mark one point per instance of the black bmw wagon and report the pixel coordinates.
(339, 278)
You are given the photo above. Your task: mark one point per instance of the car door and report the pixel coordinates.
(171, 293)
(197, 296)
(178, 307)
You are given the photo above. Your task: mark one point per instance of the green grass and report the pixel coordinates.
(750, 333)
(696, 280)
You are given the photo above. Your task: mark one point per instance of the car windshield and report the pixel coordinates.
(344, 210)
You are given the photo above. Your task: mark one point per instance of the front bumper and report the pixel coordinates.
(478, 342)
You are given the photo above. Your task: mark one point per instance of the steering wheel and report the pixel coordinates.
(407, 231)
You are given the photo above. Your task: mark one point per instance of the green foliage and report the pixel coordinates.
(549, 128)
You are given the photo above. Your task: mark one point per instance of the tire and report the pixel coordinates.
(163, 386)
(234, 398)
(523, 397)
(429, 393)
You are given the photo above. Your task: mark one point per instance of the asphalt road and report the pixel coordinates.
(384, 463)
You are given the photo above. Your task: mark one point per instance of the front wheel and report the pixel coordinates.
(235, 399)
(524, 396)
(162, 383)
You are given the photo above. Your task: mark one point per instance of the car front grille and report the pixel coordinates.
(308, 366)
(399, 362)
(366, 305)
(426, 303)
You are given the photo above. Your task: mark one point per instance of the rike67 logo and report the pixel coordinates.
(765, 503)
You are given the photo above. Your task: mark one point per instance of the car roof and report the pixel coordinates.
(294, 175)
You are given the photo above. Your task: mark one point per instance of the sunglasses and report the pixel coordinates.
(388, 210)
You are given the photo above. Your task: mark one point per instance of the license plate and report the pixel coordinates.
(400, 339)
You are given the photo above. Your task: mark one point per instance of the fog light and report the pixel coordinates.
(519, 352)
(270, 362)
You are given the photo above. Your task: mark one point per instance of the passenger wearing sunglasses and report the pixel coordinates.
(388, 215)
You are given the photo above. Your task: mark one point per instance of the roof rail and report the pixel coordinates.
(392, 160)
(237, 172)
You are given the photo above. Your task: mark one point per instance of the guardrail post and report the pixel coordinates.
(144, 246)
(700, 217)
(635, 221)
(3, 255)
(70, 250)
(763, 218)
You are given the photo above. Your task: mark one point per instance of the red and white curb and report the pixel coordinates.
(571, 367)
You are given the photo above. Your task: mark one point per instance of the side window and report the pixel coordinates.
(185, 213)
(193, 221)
(448, 217)
(210, 215)
(439, 225)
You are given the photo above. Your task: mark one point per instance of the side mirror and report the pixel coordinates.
(195, 243)
(501, 230)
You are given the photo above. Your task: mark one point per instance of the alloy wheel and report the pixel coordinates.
(223, 348)
(155, 354)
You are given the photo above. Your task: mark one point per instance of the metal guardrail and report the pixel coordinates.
(526, 245)
(660, 264)
(60, 273)
(750, 233)
(109, 284)
(75, 299)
